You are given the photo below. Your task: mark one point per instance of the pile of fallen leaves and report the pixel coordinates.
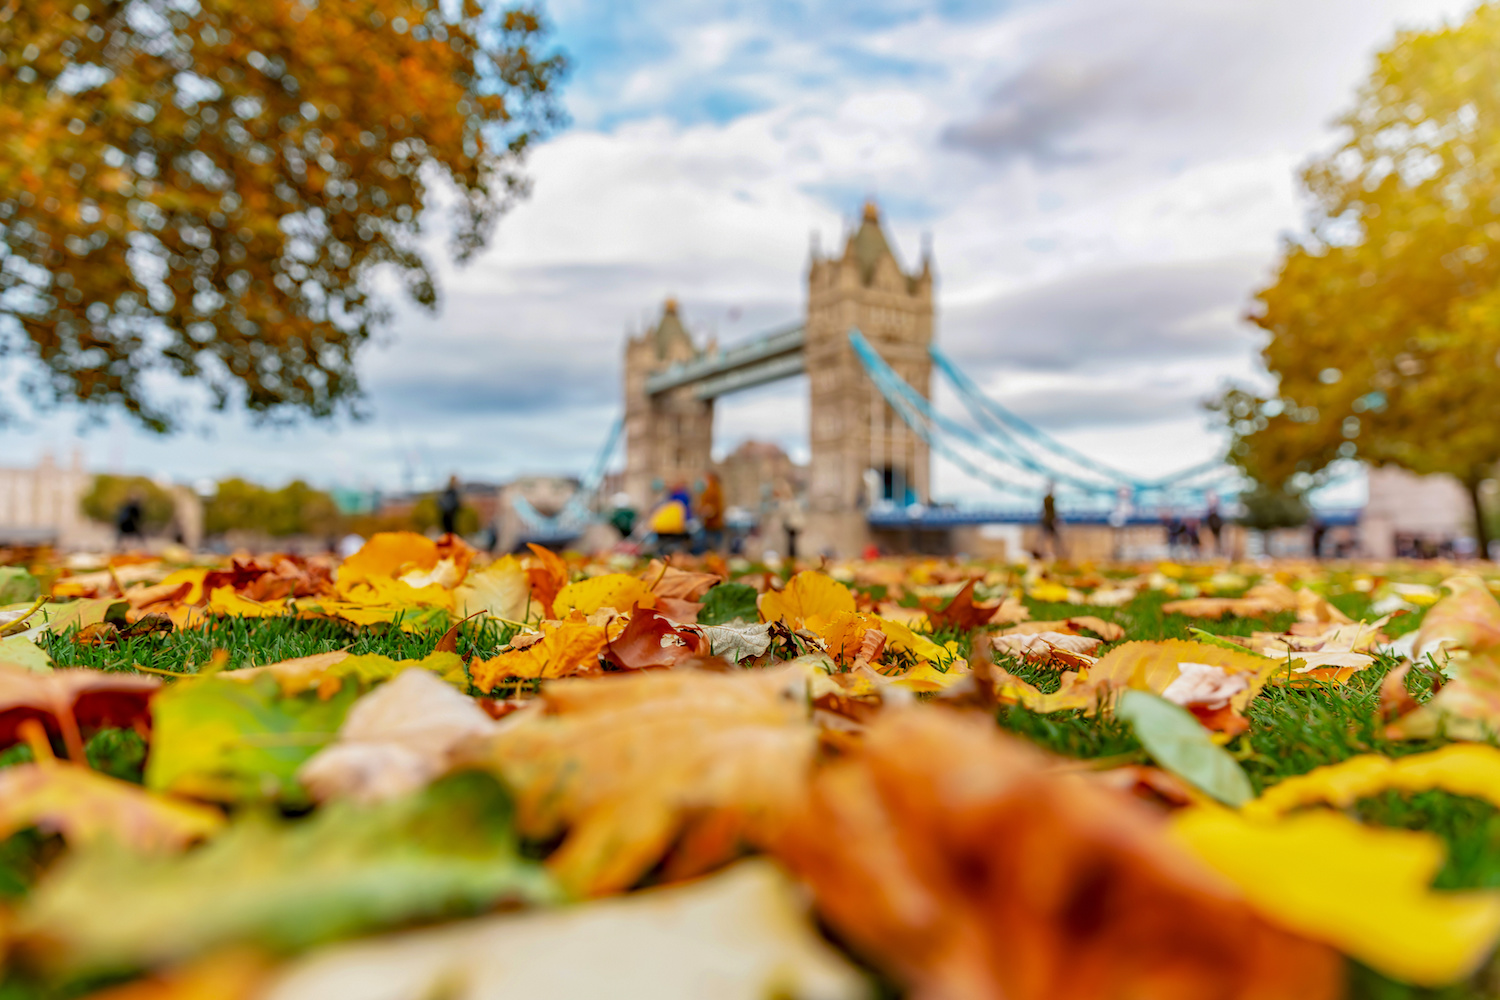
(611, 778)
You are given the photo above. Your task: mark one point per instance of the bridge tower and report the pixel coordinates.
(669, 435)
(863, 453)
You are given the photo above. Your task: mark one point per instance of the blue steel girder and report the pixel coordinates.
(770, 358)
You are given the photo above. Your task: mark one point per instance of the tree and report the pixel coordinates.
(206, 188)
(295, 509)
(107, 494)
(1384, 320)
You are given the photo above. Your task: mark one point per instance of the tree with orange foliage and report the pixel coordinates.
(206, 190)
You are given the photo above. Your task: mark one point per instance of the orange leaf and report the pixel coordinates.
(547, 575)
(957, 861)
(566, 648)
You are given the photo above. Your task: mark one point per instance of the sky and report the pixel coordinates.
(1105, 184)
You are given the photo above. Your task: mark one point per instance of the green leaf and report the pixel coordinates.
(1180, 744)
(288, 884)
(729, 602)
(1208, 638)
(229, 740)
(22, 652)
(17, 586)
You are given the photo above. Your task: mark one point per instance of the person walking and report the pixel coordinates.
(449, 504)
(1051, 536)
(1214, 522)
(128, 520)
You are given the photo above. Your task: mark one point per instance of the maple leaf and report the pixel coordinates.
(809, 599)
(955, 860)
(961, 612)
(625, 764)
(679, 584)
(650, 640)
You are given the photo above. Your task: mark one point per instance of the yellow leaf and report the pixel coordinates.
(193, 577)
(500, 590)
(388, 555)
(85, 806)
(614, 590)
(565, 648)
(810, 599)
(224, 601)
(1366, 891)
(1152, 666)
(927, 678)
(1461, 768)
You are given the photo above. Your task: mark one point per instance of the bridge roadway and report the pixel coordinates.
(918, 516)
(768, 358)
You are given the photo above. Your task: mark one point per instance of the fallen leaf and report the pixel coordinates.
(809, 600)
(548, 575)
(283, 885)
(1466, 769)
(1363, 890)
(624, 764)
(1466, 621)
(238, 974)
(961, 612)
(728, 603)
(650, 641)
(500, 590)
(395, 740)
(679, 584)
(1395, 700)
(1180, 744)
(226, 740)
(566, 648)
(743, 934)
(1048, 647)
(736, 642)
(960, 863)
(619, 591)
(19, 651)
(73, 703)
(85, 807)
(1154, 666)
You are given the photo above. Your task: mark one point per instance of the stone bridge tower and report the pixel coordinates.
(669, 436)
(862, 451)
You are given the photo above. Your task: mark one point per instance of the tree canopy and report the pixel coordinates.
(206, 188)
(1384, 320)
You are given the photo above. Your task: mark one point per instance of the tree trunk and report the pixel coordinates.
(1481, 526)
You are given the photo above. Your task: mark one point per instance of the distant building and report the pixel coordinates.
(752, 473)
(1407, 514)
(42, 506)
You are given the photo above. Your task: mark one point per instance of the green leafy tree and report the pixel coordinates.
(295, 509)
(207, 189)
(107, 494)
(1384, 320)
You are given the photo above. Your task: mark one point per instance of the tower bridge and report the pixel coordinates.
(863, 451)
